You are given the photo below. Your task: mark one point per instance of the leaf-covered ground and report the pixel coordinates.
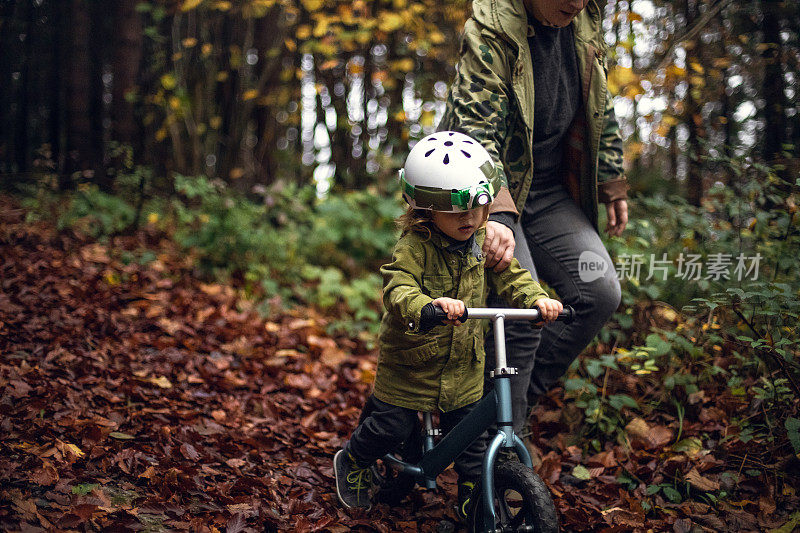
(135, 397)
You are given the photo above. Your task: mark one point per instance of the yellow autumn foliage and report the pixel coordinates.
(312, 5)
(676, 71)
(390, 22)
(321, 27)
(620, 77)
(403, 65)
(188, 5)
(168, 81)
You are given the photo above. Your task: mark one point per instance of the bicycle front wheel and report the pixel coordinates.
(522, 502)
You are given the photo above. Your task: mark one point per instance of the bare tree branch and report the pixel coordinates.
(692, 32)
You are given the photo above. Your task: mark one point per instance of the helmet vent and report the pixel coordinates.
(466, 153)
(446, 159)
(468, 142)
(448, 143)
(429, 152)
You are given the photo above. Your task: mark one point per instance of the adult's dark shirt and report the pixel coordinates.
(556, 98)
(556, 83)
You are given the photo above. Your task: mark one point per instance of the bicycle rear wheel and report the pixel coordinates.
(522, 502)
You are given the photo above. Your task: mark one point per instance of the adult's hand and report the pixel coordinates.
(498, 248)
(617, 219)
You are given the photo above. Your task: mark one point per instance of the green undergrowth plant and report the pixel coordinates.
(283, 245)
(599, 391)
(733, 317)
(286, 242)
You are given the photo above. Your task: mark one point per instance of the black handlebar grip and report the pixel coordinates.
(441, 316)
(567, 316)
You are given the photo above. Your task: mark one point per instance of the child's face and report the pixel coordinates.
(461, 225)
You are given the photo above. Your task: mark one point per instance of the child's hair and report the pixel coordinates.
(419, 220)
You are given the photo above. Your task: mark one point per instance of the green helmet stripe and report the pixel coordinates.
(445, 200)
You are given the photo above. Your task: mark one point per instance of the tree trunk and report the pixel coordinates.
(127, 57)
(269, 36)
(7, 19)
(22, 150)
(340, 136)
(727, 117)
(79, 90)
(99, 13)
(362, 179)
(693, 118)
(773, 84)
(57, 75)
(674, 153)
(228, 91)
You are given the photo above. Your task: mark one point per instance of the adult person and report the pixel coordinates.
(559, 152)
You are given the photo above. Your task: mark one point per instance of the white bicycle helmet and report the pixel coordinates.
(449, 171)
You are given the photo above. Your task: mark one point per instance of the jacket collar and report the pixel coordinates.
(505, 17)
(509, 18)
(472, 247)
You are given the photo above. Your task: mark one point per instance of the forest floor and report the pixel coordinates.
(135, 397)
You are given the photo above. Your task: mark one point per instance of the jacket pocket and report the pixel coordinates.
(421, 354)
(438, 286)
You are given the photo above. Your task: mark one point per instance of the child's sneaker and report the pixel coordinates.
(353, 483)
(465, 490)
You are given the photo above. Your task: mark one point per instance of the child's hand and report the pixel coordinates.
(453, 308)
(549, 308)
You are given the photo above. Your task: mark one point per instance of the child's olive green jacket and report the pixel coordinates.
(492, 100)
(442, 368)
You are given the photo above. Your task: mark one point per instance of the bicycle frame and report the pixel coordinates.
(494, 407)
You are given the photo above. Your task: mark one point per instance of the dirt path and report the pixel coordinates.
(134, 397)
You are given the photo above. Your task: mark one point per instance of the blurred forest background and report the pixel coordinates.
(262, 138)
(330, 93)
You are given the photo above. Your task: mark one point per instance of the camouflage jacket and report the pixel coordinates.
(442, 368)
(491, 99)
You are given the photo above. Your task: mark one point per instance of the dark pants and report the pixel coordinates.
(552, 235)
(385, 428)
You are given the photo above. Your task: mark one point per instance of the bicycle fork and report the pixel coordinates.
(505, 437)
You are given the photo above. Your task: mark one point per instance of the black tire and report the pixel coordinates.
(522, 502)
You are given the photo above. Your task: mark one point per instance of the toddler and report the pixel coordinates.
(448, 181)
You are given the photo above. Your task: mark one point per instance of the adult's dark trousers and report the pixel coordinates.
(385, 428)
(557, 243)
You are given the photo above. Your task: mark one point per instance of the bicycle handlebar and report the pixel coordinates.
(533, 314)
